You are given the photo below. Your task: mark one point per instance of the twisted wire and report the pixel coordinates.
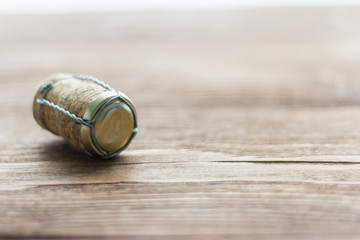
(47, 87)
(62, 110)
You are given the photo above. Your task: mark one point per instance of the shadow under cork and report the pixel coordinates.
(63, 159)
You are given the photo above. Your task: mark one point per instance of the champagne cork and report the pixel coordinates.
(87, 113)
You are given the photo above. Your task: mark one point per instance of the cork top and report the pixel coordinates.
(113, 127)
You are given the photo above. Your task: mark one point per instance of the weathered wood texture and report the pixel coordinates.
(249, 126)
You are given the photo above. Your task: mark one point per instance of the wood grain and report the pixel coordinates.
(248, 126)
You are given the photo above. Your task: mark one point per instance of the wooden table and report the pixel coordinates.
(249, 126)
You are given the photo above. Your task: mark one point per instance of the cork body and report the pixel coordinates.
(75, 96)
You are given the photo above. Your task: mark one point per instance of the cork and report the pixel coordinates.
(89, 115)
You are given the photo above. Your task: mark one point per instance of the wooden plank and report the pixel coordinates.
(248, 126)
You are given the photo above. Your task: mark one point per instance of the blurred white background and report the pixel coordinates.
(70, 6)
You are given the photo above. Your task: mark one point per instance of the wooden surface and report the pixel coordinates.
(249, 126)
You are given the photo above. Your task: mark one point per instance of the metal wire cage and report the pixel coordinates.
(89, 123)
